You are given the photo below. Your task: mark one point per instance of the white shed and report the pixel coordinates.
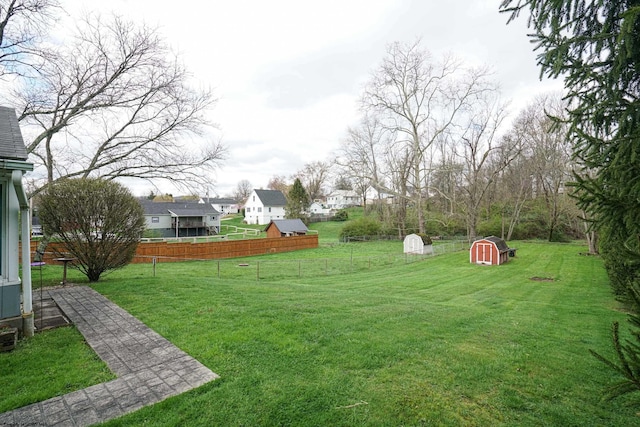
(416, 244)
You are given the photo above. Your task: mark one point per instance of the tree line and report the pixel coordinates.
(434, 136)
(438, 151)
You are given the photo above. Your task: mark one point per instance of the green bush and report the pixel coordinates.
(364, 226)
(425, 239)
(99, 221)
(341, 215)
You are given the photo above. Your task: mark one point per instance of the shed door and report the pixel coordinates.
(484, 253)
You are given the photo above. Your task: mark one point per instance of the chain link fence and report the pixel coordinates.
(265, 269)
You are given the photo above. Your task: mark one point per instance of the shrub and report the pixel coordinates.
(99, 222)
(364, 226)
(341, 215)
(425, 239)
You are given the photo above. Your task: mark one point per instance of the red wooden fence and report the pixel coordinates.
(180, 251)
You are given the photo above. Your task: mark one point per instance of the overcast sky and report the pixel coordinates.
(289, 73)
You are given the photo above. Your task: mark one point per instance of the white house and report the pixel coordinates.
(317, 208)
(377, 196)
(263, 206)
(16, 307)
(173, 219)
(224, 205)
(340, 199)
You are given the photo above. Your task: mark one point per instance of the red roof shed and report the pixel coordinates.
(489, 251)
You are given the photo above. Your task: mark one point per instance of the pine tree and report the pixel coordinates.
(297, 201)
(595, 47)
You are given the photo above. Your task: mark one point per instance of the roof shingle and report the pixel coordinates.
(271, 197)
(11, 142)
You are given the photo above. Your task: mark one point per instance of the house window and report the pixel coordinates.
(155, 219)
(269, 208)
(248, 209)
(259, 209)
(213, 218)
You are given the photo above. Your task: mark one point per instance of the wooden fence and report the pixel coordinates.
(180, 251)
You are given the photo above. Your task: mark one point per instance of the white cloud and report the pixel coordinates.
(289, 73)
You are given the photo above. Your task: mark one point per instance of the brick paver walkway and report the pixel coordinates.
(149, 368)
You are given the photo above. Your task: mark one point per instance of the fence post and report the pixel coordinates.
(154, 266)
(299, 269)
(218, 269)
(258, 271)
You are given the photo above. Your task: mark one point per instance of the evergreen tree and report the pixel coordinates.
(595, 46)
(297, 201)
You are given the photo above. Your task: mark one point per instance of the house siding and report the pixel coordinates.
(257, 212)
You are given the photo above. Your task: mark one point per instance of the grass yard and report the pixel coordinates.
(436, 342)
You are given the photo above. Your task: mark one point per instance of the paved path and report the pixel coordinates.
(149, 368)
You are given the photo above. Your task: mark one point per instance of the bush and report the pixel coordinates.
(99, 222)
(341, 215)
(364, 226)
(425, 239)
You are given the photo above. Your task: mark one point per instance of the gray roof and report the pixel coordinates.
(11, 142)
(177, 209)
(222, 201)
(289, 225)
(500, 243)
(271, 197)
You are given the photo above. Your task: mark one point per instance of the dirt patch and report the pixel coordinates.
(542, 279)
(587, 254)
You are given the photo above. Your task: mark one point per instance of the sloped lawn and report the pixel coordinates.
(435, 342)
(439, 342)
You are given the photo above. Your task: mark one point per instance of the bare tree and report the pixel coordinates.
(360, 154)
(419, 99)
(242, 191)
(22, 23)
(398, 163)
(514, 190)
(279, 182)
(482, 152)
(314, 176)
(342, 183)
(114, 102)
(551, 157)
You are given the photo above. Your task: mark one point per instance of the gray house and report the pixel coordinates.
(15, 293)
(180, 219)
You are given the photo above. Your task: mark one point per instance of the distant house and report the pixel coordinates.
(15, 293)
(224, 205)
(377, 196)
(263, 206)
(186, 219)
(286, 228)
(317, 208)
(340, 199)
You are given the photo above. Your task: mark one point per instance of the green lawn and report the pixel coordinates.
(435, 342)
